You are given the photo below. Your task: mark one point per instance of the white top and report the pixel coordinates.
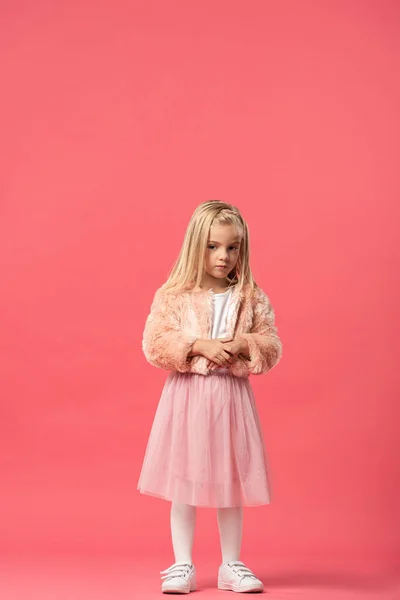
(221, 304)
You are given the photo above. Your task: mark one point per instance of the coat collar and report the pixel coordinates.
(237, 293)
(202, 302)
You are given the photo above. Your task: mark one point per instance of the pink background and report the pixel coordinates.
(117, 119)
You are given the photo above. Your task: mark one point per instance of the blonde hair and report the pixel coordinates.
(188, 269)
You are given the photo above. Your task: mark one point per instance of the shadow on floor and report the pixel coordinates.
(337, 581)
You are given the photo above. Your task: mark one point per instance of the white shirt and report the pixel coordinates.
(220, 316)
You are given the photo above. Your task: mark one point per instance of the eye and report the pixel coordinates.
(212, 246)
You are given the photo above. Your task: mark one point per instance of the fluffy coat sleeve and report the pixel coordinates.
(164, 344)
(265, 347)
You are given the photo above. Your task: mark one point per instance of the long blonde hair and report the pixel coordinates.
(188, 269)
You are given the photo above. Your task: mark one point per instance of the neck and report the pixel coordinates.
(217, 285)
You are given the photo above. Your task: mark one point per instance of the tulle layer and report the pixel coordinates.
(206, 447)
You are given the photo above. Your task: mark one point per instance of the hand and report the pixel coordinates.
(214, 350)
(234, 347)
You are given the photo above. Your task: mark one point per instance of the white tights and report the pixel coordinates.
(183, 522)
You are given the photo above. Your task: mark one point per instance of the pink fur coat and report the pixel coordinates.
(178, 318)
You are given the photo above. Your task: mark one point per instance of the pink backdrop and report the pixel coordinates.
(117, 119)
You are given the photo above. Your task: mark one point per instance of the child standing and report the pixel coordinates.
(211, 326)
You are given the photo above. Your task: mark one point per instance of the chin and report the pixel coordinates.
(217, 274)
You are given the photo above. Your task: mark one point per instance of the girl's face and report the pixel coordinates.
(222, 251)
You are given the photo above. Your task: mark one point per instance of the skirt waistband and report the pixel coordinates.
(220, 372)
(216, 372)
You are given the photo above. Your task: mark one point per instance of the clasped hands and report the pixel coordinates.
(220, 352)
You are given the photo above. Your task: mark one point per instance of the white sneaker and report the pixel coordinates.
(180, 578)
(236, 577)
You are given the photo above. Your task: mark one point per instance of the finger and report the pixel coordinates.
(226, 356)
(226, 340)
(224, 361)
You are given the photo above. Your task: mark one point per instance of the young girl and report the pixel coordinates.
(211, 326)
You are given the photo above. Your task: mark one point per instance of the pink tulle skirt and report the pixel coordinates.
(206, 446)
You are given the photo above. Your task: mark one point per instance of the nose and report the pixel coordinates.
(223, 255)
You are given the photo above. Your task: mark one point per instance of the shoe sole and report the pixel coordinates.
(179, 590)
(230, 587)
(176, 591)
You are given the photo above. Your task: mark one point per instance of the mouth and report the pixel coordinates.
(222, 267)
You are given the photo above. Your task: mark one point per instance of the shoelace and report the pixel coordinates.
(177, 570)
(241, 571)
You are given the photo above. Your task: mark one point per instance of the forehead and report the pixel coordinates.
(224, 234)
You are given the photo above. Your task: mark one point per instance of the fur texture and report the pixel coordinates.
(178, 318)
